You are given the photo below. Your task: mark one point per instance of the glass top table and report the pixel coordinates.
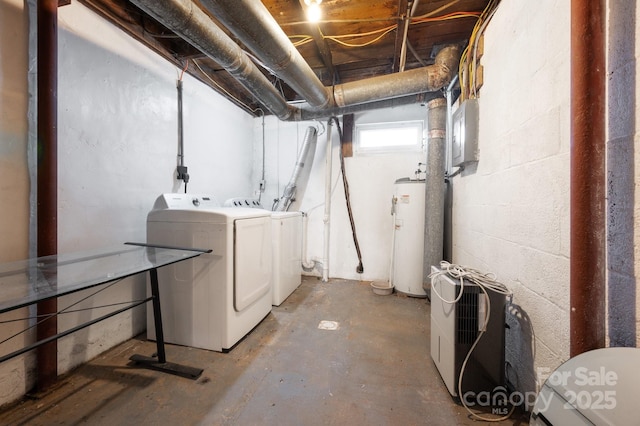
(26, 282)
(30, 281)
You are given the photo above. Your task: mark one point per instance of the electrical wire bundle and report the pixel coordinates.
(469, 58)
(485, 281)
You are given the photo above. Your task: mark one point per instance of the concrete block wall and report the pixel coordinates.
(511, 210)
(623, 174)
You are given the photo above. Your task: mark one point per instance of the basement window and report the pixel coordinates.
(401, 136)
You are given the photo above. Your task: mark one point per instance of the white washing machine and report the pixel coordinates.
(287, 248)
(213, 301)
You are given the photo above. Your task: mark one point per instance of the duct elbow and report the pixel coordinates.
(447, 61)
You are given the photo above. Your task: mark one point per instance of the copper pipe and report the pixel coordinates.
(47, 185)
(587, 247)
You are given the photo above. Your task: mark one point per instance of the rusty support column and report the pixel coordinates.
(47, 197)
(588, 186)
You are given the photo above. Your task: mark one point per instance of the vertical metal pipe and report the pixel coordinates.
(180, 128)
(327, 205)
(434, 187)
(587, 198)
(47, 186)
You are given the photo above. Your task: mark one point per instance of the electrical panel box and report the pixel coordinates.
(465, 133)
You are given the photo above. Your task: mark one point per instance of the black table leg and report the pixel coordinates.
(160, 363)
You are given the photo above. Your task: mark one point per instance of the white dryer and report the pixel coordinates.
(213, 301)
(287, 248)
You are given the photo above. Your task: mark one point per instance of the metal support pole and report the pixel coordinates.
(47, 185)
(587, 247)
(157, 316)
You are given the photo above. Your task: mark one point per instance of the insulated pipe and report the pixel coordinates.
(434, 187)
(188, 21)
(47, 179)
(310, 138)
(587, 195)
(251, 22)
(327, 205)
(419, 80)
(305, 114)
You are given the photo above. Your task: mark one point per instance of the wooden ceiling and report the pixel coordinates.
(355, 39)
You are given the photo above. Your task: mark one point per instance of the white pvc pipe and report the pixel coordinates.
(306, 264)
(394, 202)
(327, 206)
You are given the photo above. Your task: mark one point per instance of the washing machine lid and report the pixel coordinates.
(185, 201)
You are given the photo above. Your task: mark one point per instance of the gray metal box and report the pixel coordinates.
(465, 133)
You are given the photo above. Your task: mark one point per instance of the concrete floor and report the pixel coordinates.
(374, 369)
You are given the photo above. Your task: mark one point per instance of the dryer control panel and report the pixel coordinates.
(253, 203)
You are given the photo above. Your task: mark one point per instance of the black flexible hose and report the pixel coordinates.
(359, 268)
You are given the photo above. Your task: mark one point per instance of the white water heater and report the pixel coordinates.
(408, 240)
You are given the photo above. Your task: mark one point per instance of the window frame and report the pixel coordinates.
(417, 146)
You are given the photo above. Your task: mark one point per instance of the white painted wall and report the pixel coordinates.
(15, 376)
(371, 179)
(117, 137)
(511, 212)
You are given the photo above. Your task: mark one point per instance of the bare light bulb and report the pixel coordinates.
(313, 12)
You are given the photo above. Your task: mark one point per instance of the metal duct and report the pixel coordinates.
(310, 138)
(194, 26)
(251, 22)
(426, 79)
(435, 188)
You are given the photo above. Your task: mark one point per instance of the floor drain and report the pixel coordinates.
(328, 325)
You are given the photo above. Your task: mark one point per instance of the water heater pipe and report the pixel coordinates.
(394, 201)
(327, 206)
(310, 138)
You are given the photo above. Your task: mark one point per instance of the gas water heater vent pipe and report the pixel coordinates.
(327, 206)
(310, 138)
(435, 188)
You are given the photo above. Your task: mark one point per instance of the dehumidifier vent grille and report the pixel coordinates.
(467, 329)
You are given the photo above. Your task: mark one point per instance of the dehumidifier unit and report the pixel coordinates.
(456, 326)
